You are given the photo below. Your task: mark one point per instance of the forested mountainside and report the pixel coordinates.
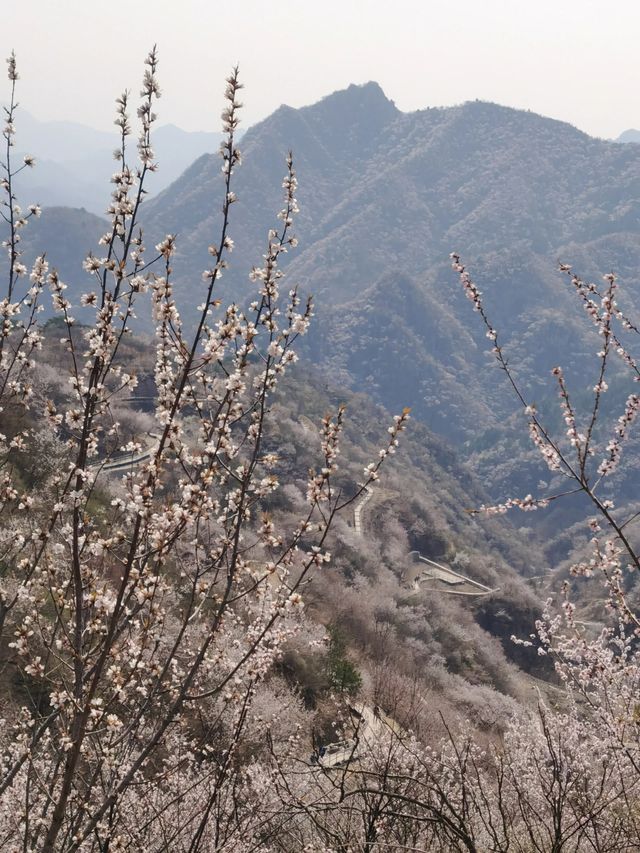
(246, 601)
(449, 640)
(385, 197)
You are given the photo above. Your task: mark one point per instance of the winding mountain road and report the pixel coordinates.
(130, 460)
(458, 584)
(360, 505)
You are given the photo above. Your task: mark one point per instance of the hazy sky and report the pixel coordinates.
(575, 60)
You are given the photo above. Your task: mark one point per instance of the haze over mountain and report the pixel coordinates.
(75, 162)
(385, 197)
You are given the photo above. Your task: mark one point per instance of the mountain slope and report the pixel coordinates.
(385, 196)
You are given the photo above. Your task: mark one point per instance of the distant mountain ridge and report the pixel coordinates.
(75, 162)
(630, 135)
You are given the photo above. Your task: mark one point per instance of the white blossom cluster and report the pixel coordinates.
(526, 504)
(145, 609)
(568, 763)
(603, 310)
(614, 447)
